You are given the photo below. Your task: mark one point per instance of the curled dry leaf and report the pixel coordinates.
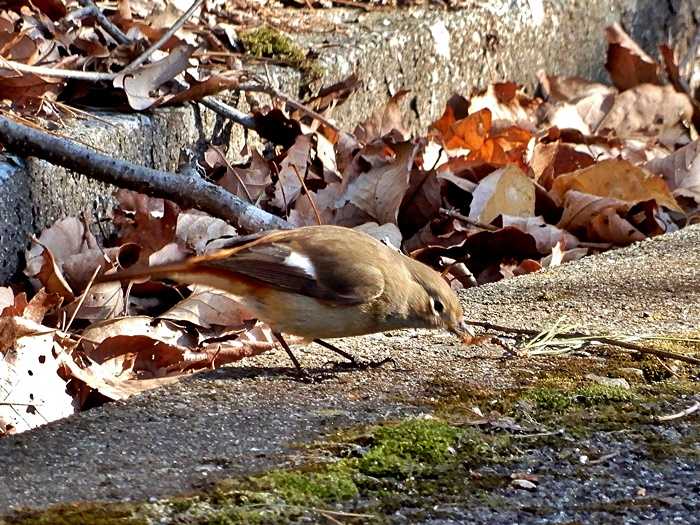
(383, 121)
(67, 237)
(293, 167)
(34, 310)
(627, 63)
(680, 170)
(506, 191)
(616, 179)
(580, 209)
(380, 190)
(208, 306)
(549, 160)
(571, 89)
(198, 231)
(249, 182)
(140, 86)
(33, 392)
(457, 108)
(608, 226)
(421, 202)
(163, 330)
(146, 221)
(326, 201)
(646, 110)
(546, 235)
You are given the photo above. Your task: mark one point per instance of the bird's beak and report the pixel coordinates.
(462, 330)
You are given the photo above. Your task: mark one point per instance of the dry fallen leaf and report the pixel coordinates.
(207, 306)
(504, 192)
(627, 63)
(140, 86)
(380, 190)
(383, 121)
(33, 393)
(546, 235)
(616, 179)
(646, 110)
(680, 170)
(291, 169)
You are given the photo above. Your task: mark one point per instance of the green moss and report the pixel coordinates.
(79, 514)
(335, 483)
(266, 42)
(409, 448)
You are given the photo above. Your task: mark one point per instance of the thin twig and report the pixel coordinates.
(54, 72)
(472, 222)
(592, 338)
(82, 299)
(269, 90)
(163, 39)
(113, 31)
(692, 408)
(232, 170)
(308, 194)
(538, 434)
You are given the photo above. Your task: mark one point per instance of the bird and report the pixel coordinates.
(320, 282)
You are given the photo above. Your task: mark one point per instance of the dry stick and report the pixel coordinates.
(108, 26)
(187, 190)
(594, 338)
(692, 408)
(81, 300)
(477, 224)
(45, 71)
(308, 194)
(230, 112)
(269, 90)
(235, 173)
(163, 39)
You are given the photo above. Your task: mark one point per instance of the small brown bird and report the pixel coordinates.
(321, 282)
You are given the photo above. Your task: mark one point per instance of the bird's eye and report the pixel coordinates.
(437, 305)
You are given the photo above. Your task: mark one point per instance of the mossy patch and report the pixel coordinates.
(266, 42)
(79, 514)
(557, 399)
(409, 448)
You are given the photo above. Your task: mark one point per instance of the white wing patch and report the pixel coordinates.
(297, 260)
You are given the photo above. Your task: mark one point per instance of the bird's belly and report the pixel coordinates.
(308, 318)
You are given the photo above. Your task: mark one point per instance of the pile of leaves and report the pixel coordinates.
(503, 183)
(55, 55)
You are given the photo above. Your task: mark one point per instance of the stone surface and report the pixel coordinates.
(251, 416)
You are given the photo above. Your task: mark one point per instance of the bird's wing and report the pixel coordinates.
(287, 266)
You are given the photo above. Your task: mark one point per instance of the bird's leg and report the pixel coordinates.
(300, 371)
(350, 357)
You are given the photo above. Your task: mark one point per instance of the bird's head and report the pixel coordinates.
(434, 301)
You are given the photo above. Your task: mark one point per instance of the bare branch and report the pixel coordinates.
(269, 90)
(162, 40)
(223, 109)
(113, 31)
(188, 190)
